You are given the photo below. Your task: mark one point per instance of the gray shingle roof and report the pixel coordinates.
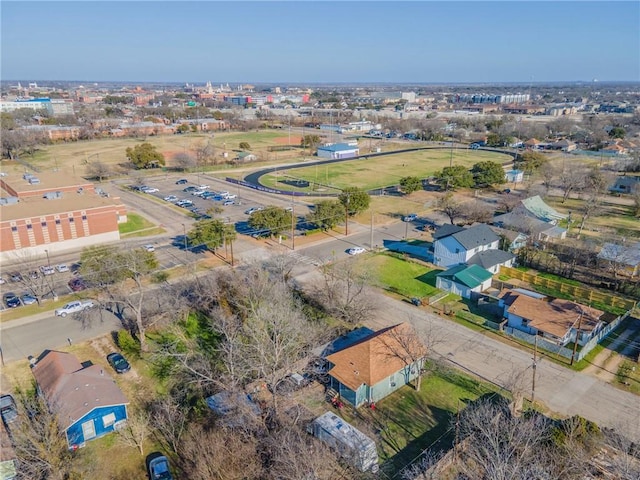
(446, 230)
(490, 258)
(476, 236)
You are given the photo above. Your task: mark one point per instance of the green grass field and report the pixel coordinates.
(403, 277)
(377, 172)
(134, 223)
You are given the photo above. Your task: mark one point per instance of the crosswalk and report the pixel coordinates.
(304, 259)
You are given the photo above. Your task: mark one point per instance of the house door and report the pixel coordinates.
(88, 430)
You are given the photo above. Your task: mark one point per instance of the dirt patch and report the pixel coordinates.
(103, 347)
(293, 140)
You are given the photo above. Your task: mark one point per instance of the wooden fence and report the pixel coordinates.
(581, 294)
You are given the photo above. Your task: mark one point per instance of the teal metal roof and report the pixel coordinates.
(470, 276)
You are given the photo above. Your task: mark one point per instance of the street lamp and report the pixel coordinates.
(48, 262)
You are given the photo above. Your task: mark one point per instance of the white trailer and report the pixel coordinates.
(350, 443)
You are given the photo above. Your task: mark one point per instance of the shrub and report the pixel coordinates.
(128, 344)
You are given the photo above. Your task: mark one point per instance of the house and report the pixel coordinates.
(246, 157)
(564, 145)
(511, 240)
(625, 184)
(87, 402)
(338, 150)
(532, 216)
(554, 319)
(514, 176)
(376, 365)
(533, 144)
(458, 247)
(624, 258)
(464, 279)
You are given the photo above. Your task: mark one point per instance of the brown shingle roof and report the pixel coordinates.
(377, 356)
(555, 317)
(72, 390)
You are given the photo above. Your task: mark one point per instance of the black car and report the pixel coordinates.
(118, 362)
(11, 300)
(182, 181)
(8, 409)
(158, 467)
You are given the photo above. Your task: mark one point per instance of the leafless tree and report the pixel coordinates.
(217, 453)
(425, 468)
(344, 292)
(569, 180)
(635, 196)
(281, 265)
(169, 421)
(404, 343)
(135, 431)
(476, 212)
(548, 173)
(33, 281)
(450, 207)
(184, 161)
(99, 170)
(39, 443)
(623, 455)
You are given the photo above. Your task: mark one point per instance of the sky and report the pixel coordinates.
(321, 41)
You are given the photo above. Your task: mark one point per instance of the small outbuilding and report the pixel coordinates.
(338, 150)
(464, 279)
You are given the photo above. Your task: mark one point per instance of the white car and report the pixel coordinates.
(355, 251)
(62, 268)
(170, 198)
(47, 270)
(73, 307)
(224, 194)
(149, 248)
(150, 190)
(203, 187)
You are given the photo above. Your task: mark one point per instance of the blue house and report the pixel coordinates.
(86, 400)
(376, 365)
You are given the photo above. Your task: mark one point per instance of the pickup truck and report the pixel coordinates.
(73, 307)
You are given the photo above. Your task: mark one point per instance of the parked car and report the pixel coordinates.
(158, 467)
(356, 251)
(412, 217)
(182, 181)
(2, 280)
(62, 268)
(253, 210)
(77, 284)
(416, 301)
(11, 300)
(170, 198)
(226, 203)
(8, 409)
(34, 275)
(28, 299)
(149, 248)
(47, 270)
(189, 189)
(16, 277)
(118, 362)
(73, 307)
(204, 187)
(230, 196)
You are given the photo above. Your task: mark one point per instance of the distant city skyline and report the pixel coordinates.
(321, 42)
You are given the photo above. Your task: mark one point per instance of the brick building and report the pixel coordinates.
(55, 212)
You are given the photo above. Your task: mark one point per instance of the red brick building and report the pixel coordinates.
(59, 213)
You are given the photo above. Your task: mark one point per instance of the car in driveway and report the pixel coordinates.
(182, 181)
(355, 251)
(62, 268)
(118, 362)
(412, 217)
(74, 307)
(11, 300)
(158, 467)
(28, 299)
(47, 270)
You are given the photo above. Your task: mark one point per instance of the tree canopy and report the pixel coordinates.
(410, 184)
(212, 233)
(453, 177)
(354, 199)
(326, 214)
(145, 155)
(244, 146)
(530, 162)
(488, 173)
(273, 219)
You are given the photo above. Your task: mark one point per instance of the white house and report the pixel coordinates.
(338, 150)
(464, 279)
(492, 260)
(455, 245)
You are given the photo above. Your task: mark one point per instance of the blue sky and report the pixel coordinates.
(300, 41)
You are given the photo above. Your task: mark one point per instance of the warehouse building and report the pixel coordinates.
(338, 150)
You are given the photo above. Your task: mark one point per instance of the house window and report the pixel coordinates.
(71, 220)
(392, 381)
(457, 250)
(44, 224)
(14, 228)
(88, 430)
(84, 218)
(29, 226)
(57, 221)
(108, 420)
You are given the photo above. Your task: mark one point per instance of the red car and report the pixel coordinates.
(77, 284)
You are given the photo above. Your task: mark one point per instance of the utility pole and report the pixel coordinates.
(346, 217)
(575, 343)
(533, 368)
(371, 241)
(293, 225)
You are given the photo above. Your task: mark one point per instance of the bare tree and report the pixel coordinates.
(477, 212)
(404, 343)
(39, 443)
(184, 161)
(548, 173)
(170, 421)
(345, 291)
(135, 431)
(450, 207)
(99, 170)
(569, 180)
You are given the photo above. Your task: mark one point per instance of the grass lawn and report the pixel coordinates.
(403, 276)
(410, 421)
(134, 223)
(380, 171)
